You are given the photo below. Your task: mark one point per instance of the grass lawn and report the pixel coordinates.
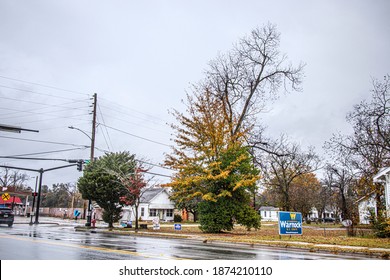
(268, 234)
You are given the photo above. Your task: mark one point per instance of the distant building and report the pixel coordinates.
(154, 203)
(327, 215)
(15, 203)
(12, 201)
(269, 213)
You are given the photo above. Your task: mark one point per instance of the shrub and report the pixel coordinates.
(381, 225)
(177, 218)
(248, 217)
(215, 217)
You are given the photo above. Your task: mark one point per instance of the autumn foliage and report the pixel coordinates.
(213, 167)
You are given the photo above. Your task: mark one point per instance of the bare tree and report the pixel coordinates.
(371, 120)
(13, 178)
(246, 77)
(284, 163)
(342, 180)
(326, 197)
(368, 147)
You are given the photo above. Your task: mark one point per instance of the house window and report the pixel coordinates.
(152, 212)
(265, 214)
(142, 211)
(169, 212)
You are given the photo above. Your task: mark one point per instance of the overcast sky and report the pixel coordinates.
(140, 57)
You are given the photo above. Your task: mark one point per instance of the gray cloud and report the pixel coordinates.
(140, 57)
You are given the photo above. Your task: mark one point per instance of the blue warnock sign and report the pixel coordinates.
(290, 223)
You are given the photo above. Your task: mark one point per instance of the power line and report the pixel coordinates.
(43, 85)
(136, 136)
(48, 152)
(46, 106)
(108, 135)
(153, 164)
(47, 142)
(35, 92)
(31, 113)
(140, 125)
(131, 115)
(157, 174)
(33, 158)
(43, 120)
(40, 103)
(67, 160)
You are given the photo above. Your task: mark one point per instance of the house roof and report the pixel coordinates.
(11, 200)
(381, 174)
(268, 208)
(149, 194)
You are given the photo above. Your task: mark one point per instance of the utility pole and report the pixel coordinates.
(89, 211)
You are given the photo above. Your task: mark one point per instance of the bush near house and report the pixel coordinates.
(177, 218)
(380, 225)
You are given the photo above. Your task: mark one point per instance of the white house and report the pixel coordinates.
(327, 214)
(154, 203)
(269, 214)
(383, 176)
(366, 204)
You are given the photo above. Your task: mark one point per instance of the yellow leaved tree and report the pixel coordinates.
(214, 170)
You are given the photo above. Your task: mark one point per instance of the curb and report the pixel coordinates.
(380, 253)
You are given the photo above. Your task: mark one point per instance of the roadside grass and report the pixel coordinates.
(328, 234)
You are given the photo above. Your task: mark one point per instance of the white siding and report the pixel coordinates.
(364, 209)
(269, 215)
(159, 204)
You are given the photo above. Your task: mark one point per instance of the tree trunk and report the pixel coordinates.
(195, 214)
(286, 205)
(344, 208)
(136, 216)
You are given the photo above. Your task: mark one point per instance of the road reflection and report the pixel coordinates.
(63, 242)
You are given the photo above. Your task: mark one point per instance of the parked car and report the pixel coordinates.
(328, 220)
(6, 216)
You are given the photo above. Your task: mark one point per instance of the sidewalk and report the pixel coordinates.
(55, 221)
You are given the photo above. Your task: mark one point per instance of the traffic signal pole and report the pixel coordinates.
(39, 195)
(33, 205)
(40, 171)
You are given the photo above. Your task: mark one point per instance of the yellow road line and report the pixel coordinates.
(87, 247)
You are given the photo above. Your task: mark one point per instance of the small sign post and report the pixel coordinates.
(156, 223)
(177, 226)
(290, 223)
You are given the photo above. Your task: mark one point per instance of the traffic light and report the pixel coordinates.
(80, 165)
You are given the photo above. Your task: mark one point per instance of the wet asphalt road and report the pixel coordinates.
(53, 242)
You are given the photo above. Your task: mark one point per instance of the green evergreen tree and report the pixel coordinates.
(101, 185)
(228, 198)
